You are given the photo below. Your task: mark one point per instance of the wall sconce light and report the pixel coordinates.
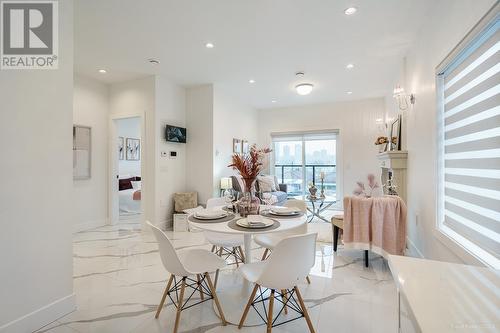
(400, 95)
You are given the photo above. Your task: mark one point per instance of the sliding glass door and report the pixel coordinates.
(301, 159)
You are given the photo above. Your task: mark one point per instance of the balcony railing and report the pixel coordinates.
(292, 175)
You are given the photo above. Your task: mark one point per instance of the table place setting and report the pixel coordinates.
(211, 216)
(255, 221)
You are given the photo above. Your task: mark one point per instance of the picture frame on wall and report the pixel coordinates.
(395, 134)
(133, 152)
(237, 146)
(82, 152)
(121, 148)
(245, 147)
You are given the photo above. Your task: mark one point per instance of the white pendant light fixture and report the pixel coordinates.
(304, 88)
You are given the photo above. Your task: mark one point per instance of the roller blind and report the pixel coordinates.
(469, 146)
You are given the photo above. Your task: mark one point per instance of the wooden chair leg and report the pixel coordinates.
(216, 279)
(304, 309)
(242, 254)
(213, 248)
(284, 298)
(270, 313)
(335, 237)
(366, 258)
(199, 286)
(308, 280)
(160, 306)
(220, 251)
(179, 305)
(245, 312)
(216, 300)
(265, 254)
(236, 257)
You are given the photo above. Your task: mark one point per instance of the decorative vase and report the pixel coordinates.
(249, 204)
(312, 190)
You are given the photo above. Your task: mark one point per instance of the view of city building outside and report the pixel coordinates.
(299, 162)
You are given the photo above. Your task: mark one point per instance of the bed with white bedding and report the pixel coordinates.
(127, 203)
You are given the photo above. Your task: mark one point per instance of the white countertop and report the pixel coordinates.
(445, 297)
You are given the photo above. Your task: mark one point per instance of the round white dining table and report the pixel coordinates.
(286, 223)
(236, 290)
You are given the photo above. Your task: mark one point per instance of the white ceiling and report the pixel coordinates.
(264, 40)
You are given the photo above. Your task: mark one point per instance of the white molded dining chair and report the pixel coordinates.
(224, 245)
(292, 259)
(269, 241)
(183, 264)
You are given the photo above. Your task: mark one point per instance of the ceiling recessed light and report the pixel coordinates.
(349, 92)
(251, 81)
(209, 45)
(103, 71)
(273, 101)
(304, 88)
(349, 66)
(153, 61)
(350, 10)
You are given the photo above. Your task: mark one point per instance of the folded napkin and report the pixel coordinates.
(254, 219)
(209, 213)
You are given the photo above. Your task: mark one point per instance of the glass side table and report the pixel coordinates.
(318, 205)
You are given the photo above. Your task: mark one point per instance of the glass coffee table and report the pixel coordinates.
(318, 205)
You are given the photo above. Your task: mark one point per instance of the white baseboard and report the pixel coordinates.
(412, 250)
(41, 317)
(89, 225)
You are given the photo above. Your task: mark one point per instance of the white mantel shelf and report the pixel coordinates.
(444, 297)
(395, 159)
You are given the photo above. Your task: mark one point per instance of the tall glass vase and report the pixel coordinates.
(249, 204)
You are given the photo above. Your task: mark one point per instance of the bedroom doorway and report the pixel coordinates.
(127, 166)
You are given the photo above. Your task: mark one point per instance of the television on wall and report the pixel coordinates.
(175, 134)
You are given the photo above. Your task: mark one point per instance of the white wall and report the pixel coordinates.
(199, 147)
(170, 176)
(90, 196)
(444, 27)
(36, 285)
(162, 102)
(231, 119)
(129, 128)
(356, 122)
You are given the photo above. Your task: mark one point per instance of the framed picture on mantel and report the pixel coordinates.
(395, 134)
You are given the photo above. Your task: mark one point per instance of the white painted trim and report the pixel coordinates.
(42, 316)
(90, 225)
(457, 249)
(412, 249)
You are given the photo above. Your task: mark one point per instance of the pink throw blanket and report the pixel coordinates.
(376, 224)
(136, 195)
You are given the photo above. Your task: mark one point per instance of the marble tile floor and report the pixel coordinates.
(119, 280)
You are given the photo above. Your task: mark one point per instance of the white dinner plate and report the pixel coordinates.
(284, 212)
(212, 217)
(265, 222)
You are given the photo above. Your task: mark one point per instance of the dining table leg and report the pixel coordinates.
(248, 248)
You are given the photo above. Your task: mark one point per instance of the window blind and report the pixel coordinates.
(470, 146)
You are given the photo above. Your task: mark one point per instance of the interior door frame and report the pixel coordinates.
(113, 198)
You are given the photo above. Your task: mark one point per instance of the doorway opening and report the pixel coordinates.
(127, 170)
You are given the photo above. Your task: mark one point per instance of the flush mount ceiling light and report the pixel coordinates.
(349, 66)
(350, 10)
(251, 81)
(209, 45)
(153, 61)
(273, 101)
(349, 92)
(304, 88)
(103, 71)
